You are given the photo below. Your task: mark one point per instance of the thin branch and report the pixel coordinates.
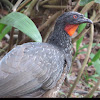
(4, 49)
(11, 39)
(48, 33)
(80, 35)
(31, 6)
(78, 64)
(87, 7)
(43, 2)
(86, 92)
(49, 21)
(97, 18)
(77, 6)
(24, 40)
(7, 2)
(20, 35)
(54, 7)
(23, 5)
(16, 5)
(85, 61)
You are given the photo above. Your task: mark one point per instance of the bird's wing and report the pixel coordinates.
(24, 69)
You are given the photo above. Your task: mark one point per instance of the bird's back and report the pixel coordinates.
(29, 67)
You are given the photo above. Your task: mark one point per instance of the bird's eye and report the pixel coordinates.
(74, 16)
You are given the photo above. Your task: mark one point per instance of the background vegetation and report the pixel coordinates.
(17, 18)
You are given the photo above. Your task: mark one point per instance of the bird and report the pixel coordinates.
(35, 67)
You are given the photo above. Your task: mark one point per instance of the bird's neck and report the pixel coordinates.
(60, 38)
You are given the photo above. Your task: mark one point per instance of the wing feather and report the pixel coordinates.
(27, 68)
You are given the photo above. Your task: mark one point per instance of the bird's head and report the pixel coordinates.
(71, 21)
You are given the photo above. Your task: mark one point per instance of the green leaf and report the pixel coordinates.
(97, 1)
(83, 52)
(92, 78)
(94, 57)
(84, 2)
(97, 56)
(97, 66)
(82, 26)
(95, 75)
(23, 23)
(78, 43)
(1, 27)
(80, 29)
(5, 31)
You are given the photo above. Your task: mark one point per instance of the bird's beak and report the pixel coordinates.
(84, 20)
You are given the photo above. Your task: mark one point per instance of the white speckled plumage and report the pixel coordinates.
(30, 60)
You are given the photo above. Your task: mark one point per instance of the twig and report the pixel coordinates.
(49, 21)
(19, 37)
(11, 39)
(7, 2)
(55, 2)
(23, 5)
(24, 40)
(77, 6)
(97, 18)
(85, 61)
(29, 9)
(4, 49)
(1, 10)
(43, 2)
(83, 82)
(16, 5)
(80, 35)
(54, 7)
(87, 7)
(86, 92)
(48, 33)
(53, 92)
(78, 64)
(93, 90)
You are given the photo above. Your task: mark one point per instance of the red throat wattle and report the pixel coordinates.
(70, 29)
